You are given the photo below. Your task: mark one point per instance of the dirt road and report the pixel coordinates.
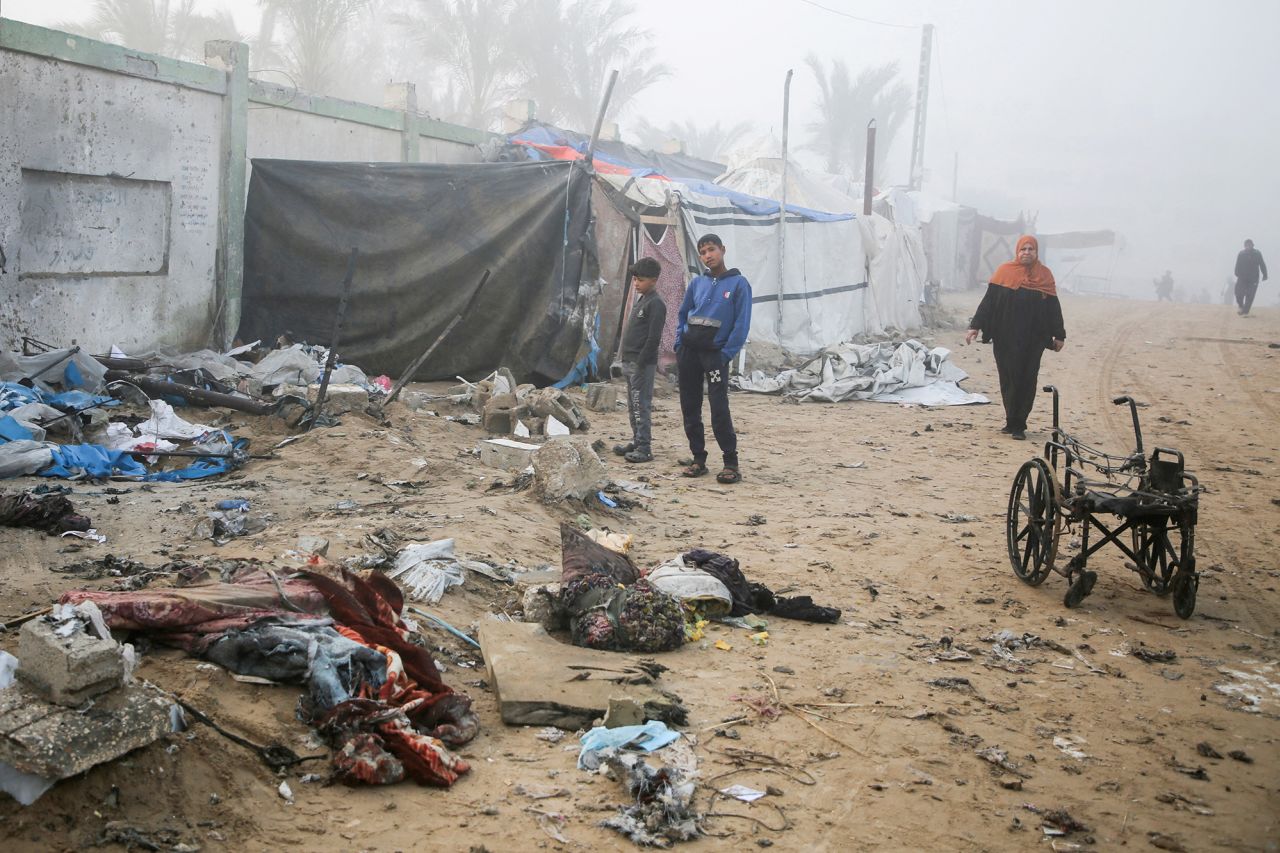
(896, 515)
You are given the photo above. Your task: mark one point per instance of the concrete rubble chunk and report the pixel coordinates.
(602, 397)
(340, 399)
(67, 670)
(54, 742)
(552, 402)
(539, 680)
(541, 605)
(317, 545)
(506, 454)
(568, 467)
(623, 711)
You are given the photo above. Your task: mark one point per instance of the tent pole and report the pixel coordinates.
(782, 211)
(869, 168)
(604, 106)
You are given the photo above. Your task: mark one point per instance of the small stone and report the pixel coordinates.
(317, 545)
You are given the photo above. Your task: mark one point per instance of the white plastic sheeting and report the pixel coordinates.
(907, 372)
(897, 277)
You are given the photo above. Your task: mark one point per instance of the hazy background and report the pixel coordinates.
(1156, 119)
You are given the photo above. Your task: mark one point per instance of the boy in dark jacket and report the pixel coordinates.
(640, 344)
(715, 318)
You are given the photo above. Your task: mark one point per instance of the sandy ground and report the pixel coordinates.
(891, 761)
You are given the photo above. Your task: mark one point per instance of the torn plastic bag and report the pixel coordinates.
(18, 458)
(427, 570)
(164, 423)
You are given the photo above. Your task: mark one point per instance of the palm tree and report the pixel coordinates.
(167, 27)
(314, 49)
(565, 53)
(469, 42)
(845, 105)
(711, 142)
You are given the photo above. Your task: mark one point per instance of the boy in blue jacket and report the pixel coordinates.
(712, 329)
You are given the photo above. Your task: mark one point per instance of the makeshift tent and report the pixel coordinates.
(1082, 261)
(425, 233)
(552, 142)
(821, 299)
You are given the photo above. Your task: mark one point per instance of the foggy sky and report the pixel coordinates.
(1160, 120)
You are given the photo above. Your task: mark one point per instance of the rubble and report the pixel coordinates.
(567, 467)
(540, 681)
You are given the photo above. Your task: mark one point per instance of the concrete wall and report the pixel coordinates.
(123, 177)
(108, 206)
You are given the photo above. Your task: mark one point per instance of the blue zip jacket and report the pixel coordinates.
(727, 299)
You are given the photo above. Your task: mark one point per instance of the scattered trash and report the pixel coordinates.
(743, 793)
(646, 738)
(661, 811)
(427, 570)
(1147, 655)
(1207, 751)
(1070, 745)
(285, 792)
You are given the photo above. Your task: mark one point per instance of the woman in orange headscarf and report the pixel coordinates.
(1021, 316)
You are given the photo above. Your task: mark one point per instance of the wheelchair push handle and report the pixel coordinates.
(1133, 411)
(1050, 389)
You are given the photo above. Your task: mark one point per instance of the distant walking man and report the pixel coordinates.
(1249, 264)
(1164, 287)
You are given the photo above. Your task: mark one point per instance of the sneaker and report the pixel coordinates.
(1005, 429)
(1018, 435)
(639, 456)
(623, 449)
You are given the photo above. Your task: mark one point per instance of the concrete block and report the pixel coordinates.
(499, 421)
(67, 670)
(602, 397)
(568, 467)
(506, 454)
(54, 742)
(538, 679)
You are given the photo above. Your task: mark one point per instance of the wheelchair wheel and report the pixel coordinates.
(1185, 585)
(1032, 522)
(1163, 546)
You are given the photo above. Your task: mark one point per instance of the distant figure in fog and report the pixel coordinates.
(1164, 287)
(1249, 264)
(1021, 316)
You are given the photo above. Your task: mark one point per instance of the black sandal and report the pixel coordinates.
(729, 476)
(697, 469)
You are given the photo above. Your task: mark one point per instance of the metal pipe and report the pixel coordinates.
(604, 107)
(332, 356)
(782, 210)
(162, 387)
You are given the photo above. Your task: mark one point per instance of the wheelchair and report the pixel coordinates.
(1153, 499)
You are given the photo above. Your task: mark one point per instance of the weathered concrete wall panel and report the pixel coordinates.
(285, 134)
(108, 206)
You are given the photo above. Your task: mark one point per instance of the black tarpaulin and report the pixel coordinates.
(426, 234)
